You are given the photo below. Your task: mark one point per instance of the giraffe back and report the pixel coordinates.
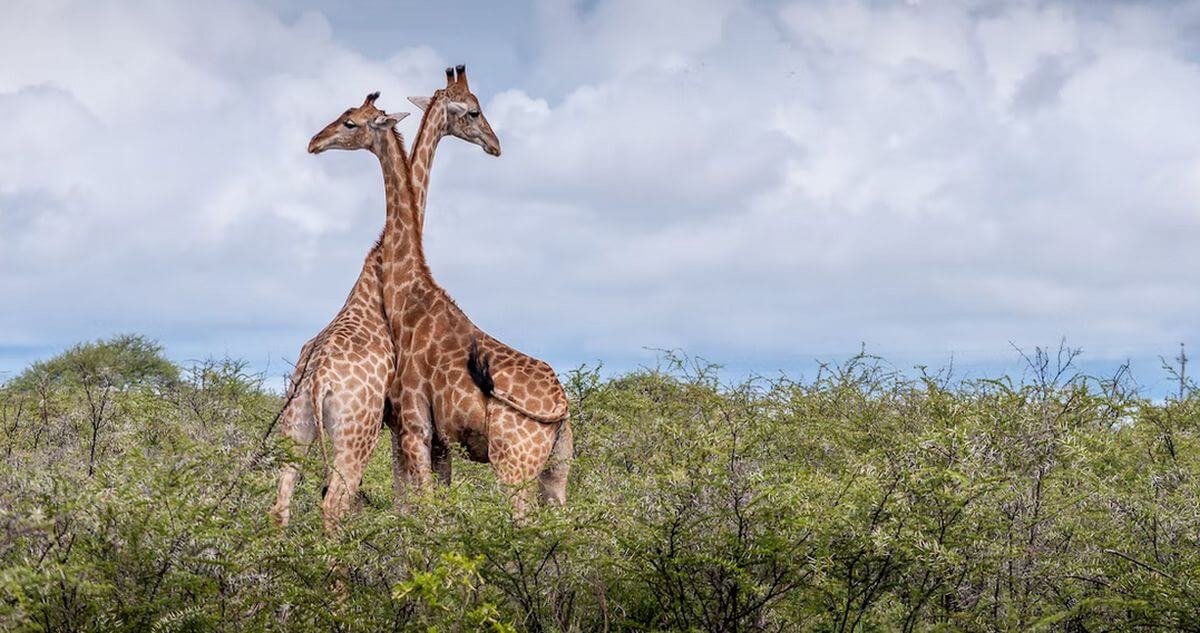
(525, 383)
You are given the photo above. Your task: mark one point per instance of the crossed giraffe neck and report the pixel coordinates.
(402, 254)
(405, 210)
(433, 128)
(452, 379)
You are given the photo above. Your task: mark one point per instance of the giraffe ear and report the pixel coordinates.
(457, 108)
(421, 102)
(385, 121)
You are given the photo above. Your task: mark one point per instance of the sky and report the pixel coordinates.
(761, 184)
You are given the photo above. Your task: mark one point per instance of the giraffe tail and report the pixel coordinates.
(317, 392)
(481, 373)
(480, 370)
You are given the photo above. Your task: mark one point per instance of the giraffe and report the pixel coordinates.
(462, 117)
(360, 337)
(454, 382)
(338, 386)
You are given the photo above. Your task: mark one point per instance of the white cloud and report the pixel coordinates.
(749, 181)
(157, 178)
(927, 178)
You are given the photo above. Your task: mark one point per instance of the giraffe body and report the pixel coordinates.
(337, 391)
(439, 397)
(455, 383)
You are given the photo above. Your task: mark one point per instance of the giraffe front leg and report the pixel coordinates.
(391, 417)
(440, 454)
(415, 437)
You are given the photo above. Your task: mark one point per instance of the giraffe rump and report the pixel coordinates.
(512, 380)
(480, 369)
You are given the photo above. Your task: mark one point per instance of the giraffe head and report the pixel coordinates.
(356, 128)
(464, 119)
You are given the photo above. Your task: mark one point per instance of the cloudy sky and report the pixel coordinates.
(758, 183)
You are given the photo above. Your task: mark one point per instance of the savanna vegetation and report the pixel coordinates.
(134, 496)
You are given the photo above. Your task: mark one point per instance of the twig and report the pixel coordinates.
(1139, 563)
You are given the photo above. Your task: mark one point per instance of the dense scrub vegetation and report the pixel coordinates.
(133, 496)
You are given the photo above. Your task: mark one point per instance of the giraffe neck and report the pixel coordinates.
(403, 260)
(433, 128)
(366, 289)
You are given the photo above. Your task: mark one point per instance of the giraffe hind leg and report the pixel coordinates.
(553, 479)
(355, 432)
(360, 499)
(300, 427)
(517, 448)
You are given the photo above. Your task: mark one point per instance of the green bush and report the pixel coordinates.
(124, 360)
(863, 499)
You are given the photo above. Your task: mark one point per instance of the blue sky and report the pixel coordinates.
(762, 184)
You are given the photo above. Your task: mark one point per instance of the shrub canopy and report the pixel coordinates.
(861, 499)
(123, 360)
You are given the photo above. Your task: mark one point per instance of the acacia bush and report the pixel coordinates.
(861, 499)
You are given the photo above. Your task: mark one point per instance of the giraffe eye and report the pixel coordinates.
(474, 114)
(350, 124)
